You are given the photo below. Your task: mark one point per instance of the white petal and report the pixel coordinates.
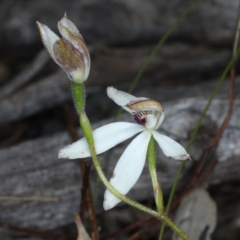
(70, 32)
(48, 38)
(128, 168)
(170, 148)
(122, 98)
(119, 97)
(105, 138)
(151, 121)
(160, 120)
(65, 22)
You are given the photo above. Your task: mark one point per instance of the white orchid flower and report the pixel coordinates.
(149, 115)
(69, 52)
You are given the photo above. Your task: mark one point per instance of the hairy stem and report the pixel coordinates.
(87, 130)
(78, 92)
(151, 155)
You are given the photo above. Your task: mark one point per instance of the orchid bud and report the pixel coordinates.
(70, 52)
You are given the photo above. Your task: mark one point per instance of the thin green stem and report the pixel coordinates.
(212, 96)
(87, 130)
(151, 155)
(78, 92)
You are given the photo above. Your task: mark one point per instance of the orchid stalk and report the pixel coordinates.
(89, 136)
(149, 116)
(71, 54)
(151, 154)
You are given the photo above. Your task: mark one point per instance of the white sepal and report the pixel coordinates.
(122, 98)
(128, 168)
(170, 148)
(119, 97)
(49, 38)
(70, 32)
(105, 138)
(66, 23)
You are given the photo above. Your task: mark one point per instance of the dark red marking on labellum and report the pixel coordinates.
(140, 119)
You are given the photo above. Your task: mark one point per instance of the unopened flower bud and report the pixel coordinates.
(70, 52)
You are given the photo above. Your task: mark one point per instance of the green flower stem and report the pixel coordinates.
(171, 196)
(79, 101)
(195, 131)
(78, 92)
(151, 155)
(87, 130)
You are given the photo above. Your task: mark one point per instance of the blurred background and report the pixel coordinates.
(39, 193)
